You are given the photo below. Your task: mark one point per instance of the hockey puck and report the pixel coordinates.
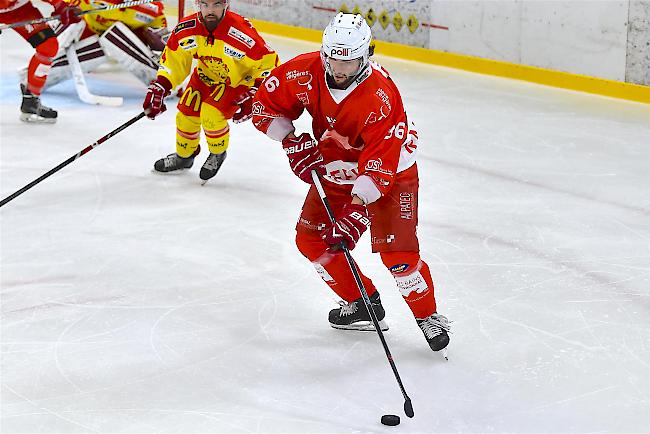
(390, 419)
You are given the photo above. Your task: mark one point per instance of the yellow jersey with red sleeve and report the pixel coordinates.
(232, 55)
(135, 17)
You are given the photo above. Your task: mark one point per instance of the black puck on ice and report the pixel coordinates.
(390, 419)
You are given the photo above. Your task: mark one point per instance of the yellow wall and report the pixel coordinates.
(565, 80)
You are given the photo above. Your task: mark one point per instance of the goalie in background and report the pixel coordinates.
(232, 60)
(134, 37)
(42, 38)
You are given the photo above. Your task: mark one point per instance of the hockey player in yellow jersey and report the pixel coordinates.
(232, 60)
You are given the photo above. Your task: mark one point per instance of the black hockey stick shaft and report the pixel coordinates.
(408, 406)
(71, 159)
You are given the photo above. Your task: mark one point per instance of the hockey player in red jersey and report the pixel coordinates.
(42, 38)
(365, 150)
(231, 61)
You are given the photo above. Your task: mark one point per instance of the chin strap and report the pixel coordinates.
(331, 83)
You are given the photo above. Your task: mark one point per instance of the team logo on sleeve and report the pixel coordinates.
(241, 37)
(231, 52)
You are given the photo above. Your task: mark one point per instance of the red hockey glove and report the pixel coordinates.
(245, 103)
(67, 13)
(349, 227)
(304, 156)
(154, 101)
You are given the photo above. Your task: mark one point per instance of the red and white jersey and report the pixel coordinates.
(10, 5)
(362, 130)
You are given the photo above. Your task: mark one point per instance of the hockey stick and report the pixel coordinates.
(408, 407)
(91, 11)
(71, 159)
(81, 86)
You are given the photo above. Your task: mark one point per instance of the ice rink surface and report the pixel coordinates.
(142, 303)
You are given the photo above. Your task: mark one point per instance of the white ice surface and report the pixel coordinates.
(140, 303)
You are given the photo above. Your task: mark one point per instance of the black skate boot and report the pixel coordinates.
(174, 162)
(354, 316)
(435, 328)
(211, 166)
(31, 109)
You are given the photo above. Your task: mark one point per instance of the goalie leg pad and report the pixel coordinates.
(121, 44)
(89, 53)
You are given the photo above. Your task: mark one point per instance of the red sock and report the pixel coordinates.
(414, 281)
(332, 268)
(39, 65)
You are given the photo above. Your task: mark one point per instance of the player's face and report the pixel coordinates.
(212, 10)
(344, 70)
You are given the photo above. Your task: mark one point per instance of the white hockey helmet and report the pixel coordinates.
(346, 37)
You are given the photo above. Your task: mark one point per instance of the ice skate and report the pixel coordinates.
(435, 328)
(211, 166)
(31, 109)
(354, 316)
(173, 162)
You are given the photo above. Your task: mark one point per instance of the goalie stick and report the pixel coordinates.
(408, 406)
(91, 11)
(73, 158)
(81, 86)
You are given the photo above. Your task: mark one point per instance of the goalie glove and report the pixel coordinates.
(304, 156)
(349, 227)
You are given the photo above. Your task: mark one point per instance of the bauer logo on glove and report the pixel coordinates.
(304, 156)
(349, 227)
(301, 146)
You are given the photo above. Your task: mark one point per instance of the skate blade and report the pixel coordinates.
(362, 326)
(176, 172)
(33, 118)
(444, 354)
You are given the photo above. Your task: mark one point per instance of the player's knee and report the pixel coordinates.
(185, 122)
(400, 262)
(310, 245)
(48, 48)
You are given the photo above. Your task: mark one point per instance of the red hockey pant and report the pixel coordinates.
(393, 235)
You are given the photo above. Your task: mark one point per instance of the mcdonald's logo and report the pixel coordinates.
(188, 97)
